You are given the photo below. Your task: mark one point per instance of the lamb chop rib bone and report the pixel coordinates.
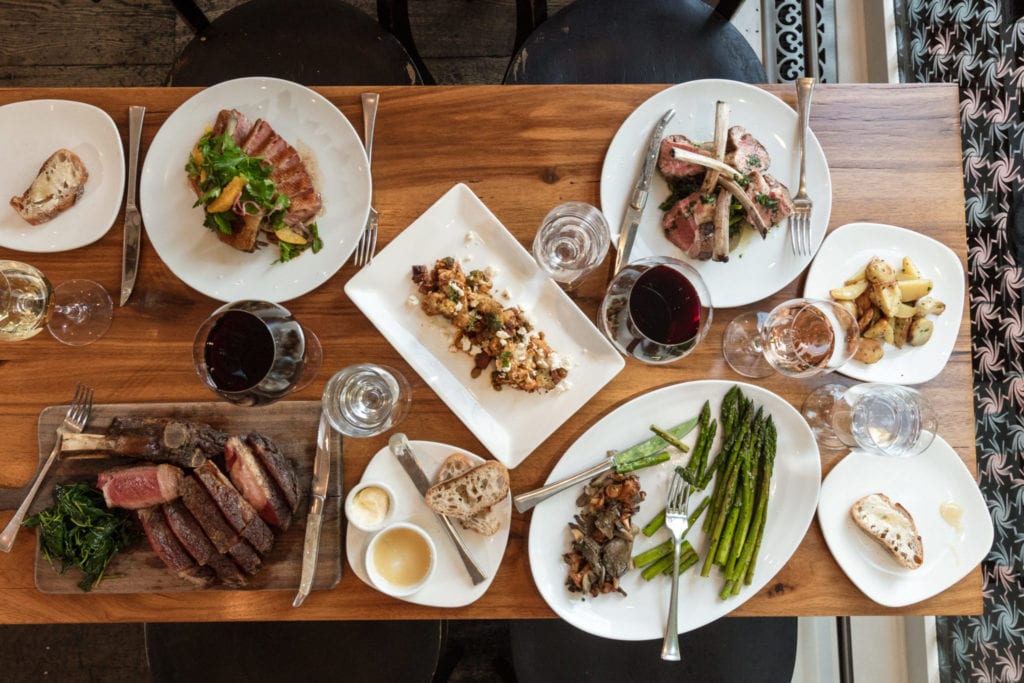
(727, 182)
(185, 444)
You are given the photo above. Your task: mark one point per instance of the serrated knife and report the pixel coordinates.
(638, 199)
(315, 518)
(132, 220)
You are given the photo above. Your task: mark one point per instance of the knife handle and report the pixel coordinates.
(475, 574)
(525, 501)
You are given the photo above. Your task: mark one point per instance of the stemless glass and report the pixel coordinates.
(571, 243)
(884, 419)
(77, 312)
(798, 338)
(656, 310)
(255, 352)
(366, 399)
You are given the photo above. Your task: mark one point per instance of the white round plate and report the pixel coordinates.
(30, 132)
(920, 484)
(641, 614)
(756, 268)
(328, 144)
(848, 248)
(450, 585)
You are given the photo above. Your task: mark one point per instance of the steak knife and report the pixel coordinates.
(637, 201)
(399, 445)
(321, 476)
(132, 220)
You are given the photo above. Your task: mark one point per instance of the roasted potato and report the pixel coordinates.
(912, 290)
(920, 331)
(869, 351)
(867, 318)
(905, 311)
(849, 292)
(928, 305)
(910, 270)
(878, 271)
(886, 295)
(856, 277)
(900, 326)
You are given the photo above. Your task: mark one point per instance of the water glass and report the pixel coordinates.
(366, 399)
(884, 419)
(571, 243)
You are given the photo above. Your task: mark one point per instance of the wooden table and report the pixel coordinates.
(522, 150)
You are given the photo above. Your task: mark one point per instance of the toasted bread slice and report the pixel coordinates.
(58, 185)
(487, 521)
(471, 492)
(891, 525)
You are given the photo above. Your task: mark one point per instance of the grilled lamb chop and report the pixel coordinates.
(170, 551)
(217, 529)
(745, 153)
(769, 198)
(141, 486)
(278, 467)
(251, 478)
(185, 444)
(671, 167)
(236, 510)
(682, 223)
(192, 537)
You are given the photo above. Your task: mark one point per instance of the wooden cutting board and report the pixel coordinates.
(292, 425)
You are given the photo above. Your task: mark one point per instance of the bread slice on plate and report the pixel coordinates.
(471, 492)
(892, 526)
(488, 520)
(59, 184)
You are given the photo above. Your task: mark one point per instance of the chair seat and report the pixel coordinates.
(313, 42)
(732, 649)
(639, 41)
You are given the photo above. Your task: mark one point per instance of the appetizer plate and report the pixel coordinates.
(848, 248)
(450, 585)
(322, 136)
(509, 423)
(641, 614)
(920, 484)
(756, 268)
(29, 133)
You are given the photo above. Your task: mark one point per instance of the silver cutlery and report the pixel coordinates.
(74, 422)
(526, 501)
(677, 521)
(800, 221)
(400, 447)
(132, 220)
(368, 242)
(638, 199)
(315, 518)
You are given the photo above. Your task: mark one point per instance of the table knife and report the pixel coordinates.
(132, 220)
(637, 201)
(315, 518)
(399, 445)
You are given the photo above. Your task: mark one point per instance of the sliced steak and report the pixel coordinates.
(288, 172)
(217, 529)
(234, 123)
(242, 516)
(678, 168)
(192, 537)
(278, 467)
(166, 546)
(252, 480)
(140, 486)
(745, 153)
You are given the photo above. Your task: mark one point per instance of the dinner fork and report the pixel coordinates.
(368, 242)
(800, 221)
(677, 521)
(74, 423)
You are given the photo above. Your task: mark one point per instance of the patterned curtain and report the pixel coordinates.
(979, 45)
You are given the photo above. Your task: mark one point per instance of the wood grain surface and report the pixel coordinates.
(894, 154)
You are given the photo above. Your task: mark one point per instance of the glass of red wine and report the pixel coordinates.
(798, 338)
(254, 352)
(656, 310)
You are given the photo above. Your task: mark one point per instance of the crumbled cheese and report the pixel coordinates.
(502, 334)
(473, 238)
(413, 301)
(563, 386)
(466, 344)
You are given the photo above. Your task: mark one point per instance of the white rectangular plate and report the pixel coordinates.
(509, 423)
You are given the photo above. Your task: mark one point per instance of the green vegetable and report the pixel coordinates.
(653, 444)
(640, 463)
(80, 531)
(670, 438)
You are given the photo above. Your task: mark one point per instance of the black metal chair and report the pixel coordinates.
(640, 41)
(313, 42)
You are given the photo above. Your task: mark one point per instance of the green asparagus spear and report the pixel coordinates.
(640, 463)
(653, 444)
(685, 551)
(656, 523)
(652, 554)
(685, 562)
(748, 477)
(670, 438)
(771, 442)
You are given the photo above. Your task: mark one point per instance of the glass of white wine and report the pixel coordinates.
(798, 338)
(884, 419)
(77, 312)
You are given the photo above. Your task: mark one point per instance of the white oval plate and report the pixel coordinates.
(921, 484)
(30, 132)
(756, 268)
(848, 248)
(450, 585)
(320, 133)
(641, 615)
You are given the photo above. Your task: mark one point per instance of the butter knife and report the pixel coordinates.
(321, 476)
(399, 445)
(132, 220)
(637, 201)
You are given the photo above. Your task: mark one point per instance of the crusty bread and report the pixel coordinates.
(487, 521)
(59, 184)
(471, 492)
(891, 525)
